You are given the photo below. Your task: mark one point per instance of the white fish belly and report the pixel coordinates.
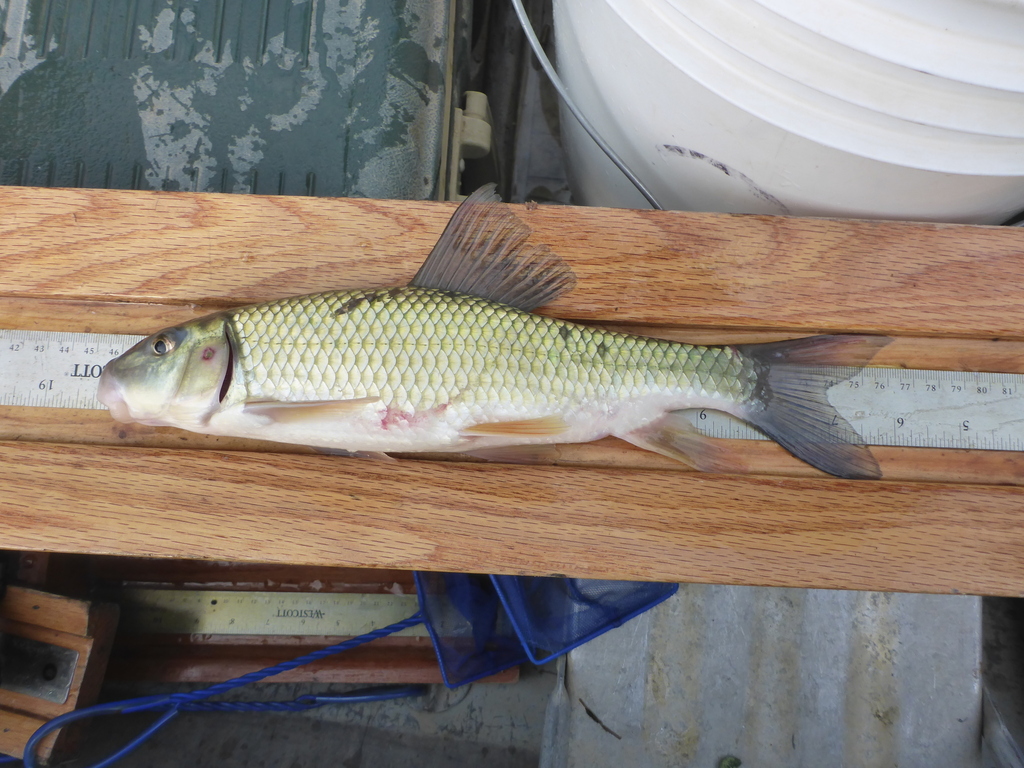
(376, 427)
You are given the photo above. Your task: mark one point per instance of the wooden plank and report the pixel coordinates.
(364, 665)
(634, 266)
(599, 523)
(90, 260)
(103, 625)
(43, 609)
(17, 728)
(62, 425)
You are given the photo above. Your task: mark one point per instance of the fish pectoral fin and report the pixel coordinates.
(674, 436)
(483, 252)
(545, 426)
(283, 412)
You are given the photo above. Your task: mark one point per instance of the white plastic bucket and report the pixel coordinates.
(837, 70)
(975, 41)
(708, 128)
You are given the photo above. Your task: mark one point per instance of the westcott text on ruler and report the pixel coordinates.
(161, 611)
(887, 406)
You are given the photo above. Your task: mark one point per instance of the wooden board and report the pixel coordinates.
(132, 262)
(634, 266)
(87, 628)
(54, 612)
(174, 659)
(596, 523)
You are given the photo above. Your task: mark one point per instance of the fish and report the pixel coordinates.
(458, 361)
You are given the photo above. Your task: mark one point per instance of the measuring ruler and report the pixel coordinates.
(222, 612)
(887, 406)
(913, 408)
(56, 370)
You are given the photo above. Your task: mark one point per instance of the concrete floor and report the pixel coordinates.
(498, 725)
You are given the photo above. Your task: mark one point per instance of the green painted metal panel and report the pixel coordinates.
(301, 97)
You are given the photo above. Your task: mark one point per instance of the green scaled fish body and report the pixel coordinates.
(457, 362)
(431, 370)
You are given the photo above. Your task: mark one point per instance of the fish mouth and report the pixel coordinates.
(109, 393)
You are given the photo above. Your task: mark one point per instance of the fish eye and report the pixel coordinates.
(162, 345)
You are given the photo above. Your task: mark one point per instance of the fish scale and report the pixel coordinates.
(417, 348)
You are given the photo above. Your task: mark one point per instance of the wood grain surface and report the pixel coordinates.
(132, 262)
(714, 270)
(30, 606)
(401, 661)
(595, 523)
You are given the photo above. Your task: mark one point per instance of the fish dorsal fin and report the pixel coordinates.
(483, 252)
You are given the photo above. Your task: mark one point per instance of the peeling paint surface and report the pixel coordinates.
(325, 97)
(18, 52)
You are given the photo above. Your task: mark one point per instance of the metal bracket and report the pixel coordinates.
(36, 668)
(471, 139)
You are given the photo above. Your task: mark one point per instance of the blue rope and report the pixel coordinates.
(172, 704)
(285, 666)
(309, 701)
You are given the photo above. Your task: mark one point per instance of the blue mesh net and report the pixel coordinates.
(471, 631)
(481, 625)
(554, 615)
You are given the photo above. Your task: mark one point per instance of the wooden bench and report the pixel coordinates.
(132, 262)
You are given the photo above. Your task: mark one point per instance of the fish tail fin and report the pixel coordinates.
(791, 404)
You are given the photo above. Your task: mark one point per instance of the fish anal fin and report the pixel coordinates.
(675, 437)
(295, 412)
(545, 426)
(484, 252)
